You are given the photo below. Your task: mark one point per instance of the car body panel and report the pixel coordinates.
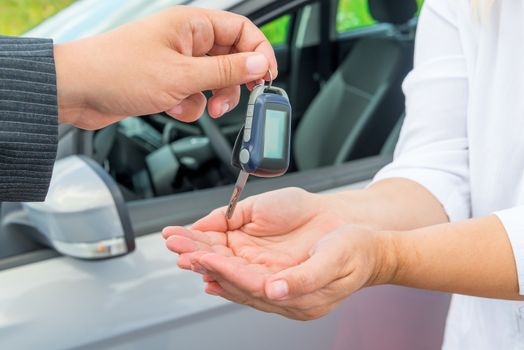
(143, 300)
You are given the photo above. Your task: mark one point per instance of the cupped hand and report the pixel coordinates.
(161, 64)
(285, 252)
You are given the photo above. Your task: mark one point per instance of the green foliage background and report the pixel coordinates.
(351, 14)
(18, 16)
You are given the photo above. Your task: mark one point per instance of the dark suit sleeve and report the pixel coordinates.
(28, 118)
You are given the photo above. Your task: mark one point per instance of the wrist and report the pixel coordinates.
(388, 258)
(353, 207)
(69, 83)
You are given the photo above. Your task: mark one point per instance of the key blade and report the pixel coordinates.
(239, 187)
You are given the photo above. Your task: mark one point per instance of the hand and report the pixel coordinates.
(161, 63)
(286, 252)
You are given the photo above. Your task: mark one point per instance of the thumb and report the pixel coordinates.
(321, 268)
(218, 72)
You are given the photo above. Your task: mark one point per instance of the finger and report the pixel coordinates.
(173, 230)
(234, 271)
(322, 268)
(250, 86)
(216, 289)
(181, 245)
(208, 278)
(218, 72)
(184, 261)
(305, 308)
(216, 221)
(239, 33)
(208, 237)
(194, 264)
(218, 50)
(223, 101)
(330, 294)
(261, 209)
(190, 109)
(230, 292)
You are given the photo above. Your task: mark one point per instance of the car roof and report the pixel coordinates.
(90, 17)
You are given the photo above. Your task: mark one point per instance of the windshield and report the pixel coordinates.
(90, 17)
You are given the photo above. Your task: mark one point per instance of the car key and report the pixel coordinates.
(239, 187)
(263, 145)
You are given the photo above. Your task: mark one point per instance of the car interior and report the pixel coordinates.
(348, 106)
(347, 116)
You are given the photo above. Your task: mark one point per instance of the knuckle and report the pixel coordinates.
(164, 101)
(225, 70)
(244, 300)
(303, 283)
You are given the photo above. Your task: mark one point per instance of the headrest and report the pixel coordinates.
(393, 11)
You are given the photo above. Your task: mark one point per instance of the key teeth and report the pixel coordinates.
(229, 212)
(233, 203)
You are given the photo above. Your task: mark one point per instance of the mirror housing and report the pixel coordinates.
(84, 215)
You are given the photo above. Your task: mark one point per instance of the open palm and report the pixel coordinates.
(267, 234)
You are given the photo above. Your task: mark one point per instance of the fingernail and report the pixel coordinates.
(225, 109)
(257, 64)
(278, 290)
(177, 110)
(198, 268)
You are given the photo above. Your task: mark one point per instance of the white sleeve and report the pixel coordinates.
(433, 145)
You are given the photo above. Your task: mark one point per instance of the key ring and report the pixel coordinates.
(270, 80)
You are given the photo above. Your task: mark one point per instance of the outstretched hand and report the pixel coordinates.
(286, 252)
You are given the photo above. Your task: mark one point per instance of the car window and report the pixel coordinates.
(354, 14)
(16, 17)
(277, 31)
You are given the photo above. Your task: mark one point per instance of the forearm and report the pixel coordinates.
(393, 204)
(473, 257)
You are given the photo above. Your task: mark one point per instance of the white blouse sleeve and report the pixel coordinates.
(433, 145)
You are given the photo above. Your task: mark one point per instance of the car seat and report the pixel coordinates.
(356, 110)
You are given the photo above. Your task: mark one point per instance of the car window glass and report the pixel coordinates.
(354, 14)
(277, 31)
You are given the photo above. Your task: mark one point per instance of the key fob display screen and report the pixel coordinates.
(274, 129)
(263, 147)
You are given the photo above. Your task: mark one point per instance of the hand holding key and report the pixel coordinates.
(161, 63)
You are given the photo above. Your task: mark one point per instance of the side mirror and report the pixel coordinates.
(84, 215)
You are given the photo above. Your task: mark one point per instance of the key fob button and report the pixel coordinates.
(250, 110)
(247, 135)
(249, 122)
(244, 156)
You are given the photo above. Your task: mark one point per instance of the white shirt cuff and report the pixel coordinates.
(513, 221)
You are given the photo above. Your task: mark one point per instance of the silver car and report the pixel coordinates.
(88, 268)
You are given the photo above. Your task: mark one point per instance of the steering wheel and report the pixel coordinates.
(105, 139)
(218, 141)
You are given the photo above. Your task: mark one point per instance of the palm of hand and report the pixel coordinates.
(267, 234)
